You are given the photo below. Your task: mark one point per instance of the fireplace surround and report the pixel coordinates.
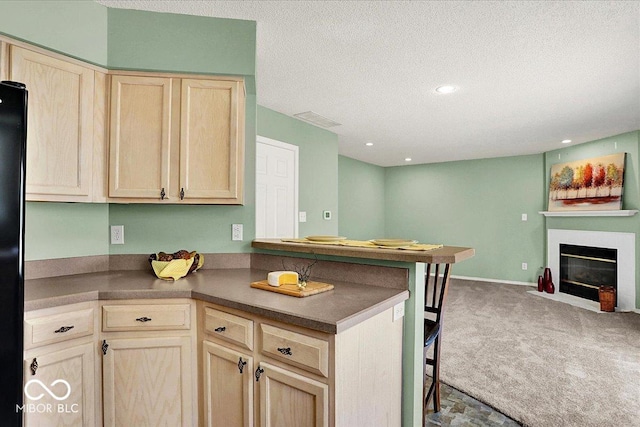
(623, 243)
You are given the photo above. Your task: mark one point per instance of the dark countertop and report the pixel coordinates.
(443, 255)
(332, 312)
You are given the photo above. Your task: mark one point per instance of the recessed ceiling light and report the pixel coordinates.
(446, 89)
(566, 141)
(407, 159)
(369, 144)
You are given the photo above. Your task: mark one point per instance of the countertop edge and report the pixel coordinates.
(443, 255)
(61, 300)
(372, 311)
(296, 319)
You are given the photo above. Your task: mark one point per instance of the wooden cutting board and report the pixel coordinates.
(312, 288)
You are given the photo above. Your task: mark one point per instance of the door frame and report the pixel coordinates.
(296, 185)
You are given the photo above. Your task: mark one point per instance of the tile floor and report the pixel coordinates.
(460, 410)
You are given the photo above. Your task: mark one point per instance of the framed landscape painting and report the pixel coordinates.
(587, 185)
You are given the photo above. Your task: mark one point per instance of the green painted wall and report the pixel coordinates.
(628, 143)
(75, 28)
(474, 203)
(182, 43)
(361, 199)
(318, 168)
(61, 230)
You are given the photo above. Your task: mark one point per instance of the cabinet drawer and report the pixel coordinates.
(146, 317)
(309, 353)
(58, 327)
(229, 327)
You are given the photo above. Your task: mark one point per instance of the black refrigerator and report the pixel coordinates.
(13, 138)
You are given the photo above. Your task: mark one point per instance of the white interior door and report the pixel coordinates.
(276, 189)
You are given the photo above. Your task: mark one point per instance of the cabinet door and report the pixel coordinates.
(289, 399)
(228, 387)
(61, 392)
(140, 138)
(212, 140)
(147, 382)
(59, 126)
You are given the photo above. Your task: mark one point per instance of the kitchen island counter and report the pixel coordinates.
(332, 312)
(442, 255)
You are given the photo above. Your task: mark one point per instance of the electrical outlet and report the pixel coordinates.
(398, 311)
(524, 217)
(117, 234)
(524, 266)
(236, 231)
(326, 214)
(302, 216)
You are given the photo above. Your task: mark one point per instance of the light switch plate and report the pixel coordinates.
(524, 217)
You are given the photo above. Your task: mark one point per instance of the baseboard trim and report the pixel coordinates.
(482, 279)
(512, 282)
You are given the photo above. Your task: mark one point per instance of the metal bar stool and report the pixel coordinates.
(434, 297)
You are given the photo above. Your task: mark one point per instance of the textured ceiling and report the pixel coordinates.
(530, 73)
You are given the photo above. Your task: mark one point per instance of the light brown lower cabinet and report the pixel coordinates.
(61, 376)
(228, 386)
(147, 382)
(59, 386)
(289, 399)
(301, 377)
(247, 371)
(285, 398)
(148, 365)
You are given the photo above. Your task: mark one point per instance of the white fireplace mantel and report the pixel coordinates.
(630, 212)
(625, 243)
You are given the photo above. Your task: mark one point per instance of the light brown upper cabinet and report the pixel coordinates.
(60, 124)
(176, 140)
(140, 140)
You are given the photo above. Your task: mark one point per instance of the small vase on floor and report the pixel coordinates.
(549, 287)
(540, 284)
(546, 279)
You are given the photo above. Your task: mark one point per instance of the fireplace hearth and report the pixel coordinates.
(583, 269)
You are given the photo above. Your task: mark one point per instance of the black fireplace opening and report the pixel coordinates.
(583, 269)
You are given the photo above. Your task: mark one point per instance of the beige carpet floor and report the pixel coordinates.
(541, 362)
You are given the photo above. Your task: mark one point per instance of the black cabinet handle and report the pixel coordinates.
(162, 194)
(34, 366)
(63, 329)
(241, 364)
(258, 373)
(220, 329)
(105, 346)
(285, 350)
(182, 194)
(143, 319)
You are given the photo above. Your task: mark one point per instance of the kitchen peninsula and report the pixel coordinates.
(341, 358)
(415, 263)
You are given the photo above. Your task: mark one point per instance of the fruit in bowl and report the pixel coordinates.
(176, 265)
